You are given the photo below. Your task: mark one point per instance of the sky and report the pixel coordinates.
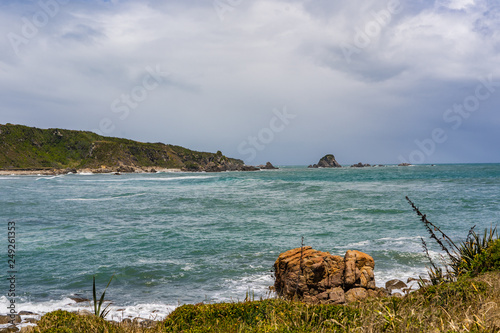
(370, 81)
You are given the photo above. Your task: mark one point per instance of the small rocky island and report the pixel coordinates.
(327, 161)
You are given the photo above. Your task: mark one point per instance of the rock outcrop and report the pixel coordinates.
(361, 165)
(268, 166)
(327, 161)
(320, 277)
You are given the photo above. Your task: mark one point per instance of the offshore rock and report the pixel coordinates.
(315, 277)
(268, 166)
(360, 165)
(327, 161)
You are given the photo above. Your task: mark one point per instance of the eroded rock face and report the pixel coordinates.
(328, 161)
(320, 277)
(359, 270)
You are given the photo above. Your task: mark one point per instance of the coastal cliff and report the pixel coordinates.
(58, 150)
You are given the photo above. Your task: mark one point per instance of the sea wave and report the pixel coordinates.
(105, 199)
(141, 179)
(152, 311)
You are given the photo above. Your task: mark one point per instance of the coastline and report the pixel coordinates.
(55, 172)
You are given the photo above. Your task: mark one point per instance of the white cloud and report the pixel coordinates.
(227, 76)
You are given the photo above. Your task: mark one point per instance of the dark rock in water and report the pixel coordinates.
(395, 284)
(268, 166)
(248, 168)
(404, 164)
(327, 161)
(26, 313)
(319, 277)
(79, 299)
(360, 165)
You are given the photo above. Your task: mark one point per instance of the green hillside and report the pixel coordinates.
(23, 147)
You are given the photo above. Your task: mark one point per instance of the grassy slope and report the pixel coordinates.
(469, 305)
(23, 147)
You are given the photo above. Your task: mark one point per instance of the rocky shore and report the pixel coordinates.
(303, 274)
(214, 167)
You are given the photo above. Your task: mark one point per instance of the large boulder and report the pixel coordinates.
(319, 277)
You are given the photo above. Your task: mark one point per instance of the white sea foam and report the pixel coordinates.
(158, 179)
(256, 285)
(104, 199)
(49, 177)
(153, 311)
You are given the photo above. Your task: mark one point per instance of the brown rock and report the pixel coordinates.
(355, 294)
(359, 270)
(26, 313)
(395, 284)
(377, 292)
(337, 296)
(305, 272)
(320, 277)
(9, 329)
(6, 319)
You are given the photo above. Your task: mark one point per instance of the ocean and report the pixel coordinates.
(176, 238)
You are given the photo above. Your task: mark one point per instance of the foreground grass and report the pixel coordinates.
(468, 305)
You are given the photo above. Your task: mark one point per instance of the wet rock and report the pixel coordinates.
(6, 319)
(27, 313)
(395, 284)
(360, 165)
(9, 329)
(268, 166)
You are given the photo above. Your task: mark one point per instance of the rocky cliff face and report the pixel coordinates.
(319, 277)
(327, 161)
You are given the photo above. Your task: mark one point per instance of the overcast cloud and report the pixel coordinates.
(282, 81)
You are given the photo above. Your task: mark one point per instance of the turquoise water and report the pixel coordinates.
(175, 238)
